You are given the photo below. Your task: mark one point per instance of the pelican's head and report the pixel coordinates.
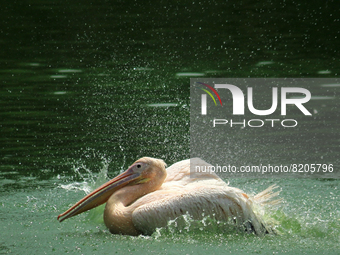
(149, 169)
(145, 170)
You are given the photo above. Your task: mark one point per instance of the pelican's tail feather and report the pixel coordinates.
(267, 197)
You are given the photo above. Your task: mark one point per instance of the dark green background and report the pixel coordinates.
(126, 55)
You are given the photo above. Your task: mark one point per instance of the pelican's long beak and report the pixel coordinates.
(101, 194)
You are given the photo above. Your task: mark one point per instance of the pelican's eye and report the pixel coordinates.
(139, 166)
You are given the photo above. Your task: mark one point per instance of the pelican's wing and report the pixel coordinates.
(180, 171)
(224, 204)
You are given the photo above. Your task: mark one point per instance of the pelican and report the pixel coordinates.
(148, 195)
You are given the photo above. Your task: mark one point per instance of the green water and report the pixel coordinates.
(90, 83)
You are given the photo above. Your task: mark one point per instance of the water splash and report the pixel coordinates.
(186, 226)
(91, 181)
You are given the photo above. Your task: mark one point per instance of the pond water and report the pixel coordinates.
(89, 87)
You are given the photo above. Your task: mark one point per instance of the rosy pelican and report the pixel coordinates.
(147, 195)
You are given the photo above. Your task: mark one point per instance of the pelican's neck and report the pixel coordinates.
(126, 196)
(120, 206)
